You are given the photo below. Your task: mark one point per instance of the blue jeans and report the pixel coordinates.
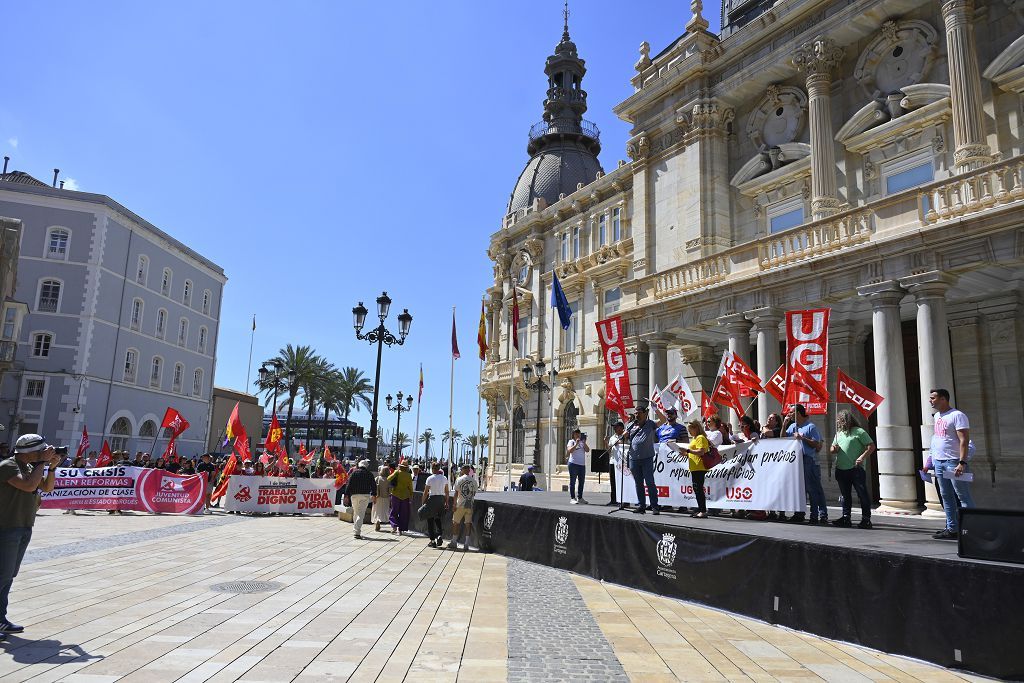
(812, 483)
(577, 473)
(643, 474)
(13, 544)
(952, 490)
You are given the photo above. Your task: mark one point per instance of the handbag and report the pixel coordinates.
(711, 458)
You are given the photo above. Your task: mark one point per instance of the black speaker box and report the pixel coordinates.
(598, 460)
(996, 535)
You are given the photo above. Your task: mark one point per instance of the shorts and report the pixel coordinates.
(462, 515)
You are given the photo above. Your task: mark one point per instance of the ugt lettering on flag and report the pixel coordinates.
(618, 396)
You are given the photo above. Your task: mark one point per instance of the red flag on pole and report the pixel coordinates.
(230, 468)
(273, 440)
(235, 428)
(83, 445)
(106, 457)
(707, 406)
(850, 391)
(725, 394)
(776, 384)
(455, 340)
(744, 380)
(515, 319)
(481, 333)
(174, 421)
(802, 383)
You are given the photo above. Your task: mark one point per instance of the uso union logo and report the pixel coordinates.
(489, 519)
(561, 535)
(666, 551)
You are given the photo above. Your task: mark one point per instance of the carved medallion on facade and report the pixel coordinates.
(901, 54)
(778, 118)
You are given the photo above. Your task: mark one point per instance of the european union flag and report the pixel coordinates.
(559, 302)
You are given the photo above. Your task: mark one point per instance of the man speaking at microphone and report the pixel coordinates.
(642, 435)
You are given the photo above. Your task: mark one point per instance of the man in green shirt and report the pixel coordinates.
(852, 446)
(22, 476)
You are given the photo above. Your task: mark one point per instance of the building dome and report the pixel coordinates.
(563, 148)
(556, 169)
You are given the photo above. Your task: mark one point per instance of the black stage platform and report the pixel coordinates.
(893, 588)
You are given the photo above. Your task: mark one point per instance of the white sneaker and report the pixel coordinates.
(583, 502)
(572, 501)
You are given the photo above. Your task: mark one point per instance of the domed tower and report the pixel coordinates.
(563, 148)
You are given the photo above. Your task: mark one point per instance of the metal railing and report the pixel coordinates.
(588, 128)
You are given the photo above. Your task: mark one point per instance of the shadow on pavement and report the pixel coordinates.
(26, 651)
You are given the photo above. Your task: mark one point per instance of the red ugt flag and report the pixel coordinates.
(83, 445)
(849, 391)
(106, 457)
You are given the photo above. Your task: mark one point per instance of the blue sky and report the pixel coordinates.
(319, 151)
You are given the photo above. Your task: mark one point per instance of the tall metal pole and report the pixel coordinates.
(398, 428)
(371, 444)
(416, 439)
(478, 402)
(553, 441)
(511, 382)
(451, 408)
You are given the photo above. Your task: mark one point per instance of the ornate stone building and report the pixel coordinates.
(863, 155)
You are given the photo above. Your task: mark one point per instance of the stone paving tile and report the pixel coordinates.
(127, 598)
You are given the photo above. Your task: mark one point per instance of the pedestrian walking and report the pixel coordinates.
(359, 491)
(466, 488)
(435, 502)
(401, 498)
(382, 503)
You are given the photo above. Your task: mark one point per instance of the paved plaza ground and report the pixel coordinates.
(129, 598)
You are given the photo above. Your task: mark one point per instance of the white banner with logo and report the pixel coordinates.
(763, 475)
(280, 494)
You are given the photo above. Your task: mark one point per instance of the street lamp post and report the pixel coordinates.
(398, 408)
(540, 387)
(379, 336)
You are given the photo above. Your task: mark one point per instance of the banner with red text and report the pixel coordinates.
(126, 488)
(762, 475)
(280, 494)
(618, 394)
(807, 346)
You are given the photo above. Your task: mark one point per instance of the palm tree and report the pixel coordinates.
(301, 364)
(329, 400)
(401, 441)
(477, 441)
(450, 435)
(315, 388)
(352, 392)
(427, 438)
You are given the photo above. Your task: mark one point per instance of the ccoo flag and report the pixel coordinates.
(560, 303)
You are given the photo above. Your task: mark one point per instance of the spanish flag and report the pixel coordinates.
(420, 397)
(481, 333)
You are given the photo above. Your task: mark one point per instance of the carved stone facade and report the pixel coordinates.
(870, 161)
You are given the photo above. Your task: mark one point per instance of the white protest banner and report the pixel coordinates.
(763, 475)
(280, 494)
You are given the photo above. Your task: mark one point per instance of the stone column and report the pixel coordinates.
(818, 59)
(766, 328)
(699, 366)
(972, 149)
(657, 346)
(494, 352)
(738, 328)
(637, 150)
(934, 360)
(897, 466)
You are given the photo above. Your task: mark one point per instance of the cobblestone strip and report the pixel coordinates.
(108, 542)
(552, 636)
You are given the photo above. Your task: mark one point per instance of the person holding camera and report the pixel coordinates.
(577, 450)
(30, 470)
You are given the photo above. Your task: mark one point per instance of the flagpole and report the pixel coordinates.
(451, 407)
(552, 436)
(511, 385)
(252, 338)
(416, 441)
(479, 381)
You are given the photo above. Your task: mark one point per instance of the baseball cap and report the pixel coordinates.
(30, 443)
(529, 467)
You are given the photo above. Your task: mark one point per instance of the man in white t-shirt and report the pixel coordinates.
(435, 502)
(577, 450)
(949, 451)
(465, 491)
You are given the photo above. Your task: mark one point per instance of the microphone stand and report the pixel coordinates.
(622, 469)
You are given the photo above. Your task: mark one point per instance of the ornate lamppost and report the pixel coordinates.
(398, 408)
(540, 387)
(379, 336)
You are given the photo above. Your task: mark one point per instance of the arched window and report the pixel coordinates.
(186, 297)
(570, 421)
(41, 342)
(197, 383)
(156, 372)
(148, 429)
(206, 301)
(57, 243)
(131, 365)
(136, 314)
(202, 340)
(165, 282)
(142, 272)
(49, 296)
(182, 332)
(518, 436)
(179, 374)
(161, 323)
(119, 433)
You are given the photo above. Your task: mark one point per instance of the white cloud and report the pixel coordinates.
(13, 142)
(70, 184)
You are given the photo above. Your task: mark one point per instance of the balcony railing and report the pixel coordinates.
(567, 361)
(7, 351)
(987, 187)
(692, 276)
(814, 239)
(588, 128)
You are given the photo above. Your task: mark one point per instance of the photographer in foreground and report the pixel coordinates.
(22, 476)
